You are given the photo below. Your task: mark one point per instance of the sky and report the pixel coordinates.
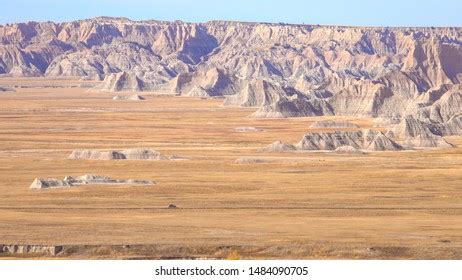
(333, 12)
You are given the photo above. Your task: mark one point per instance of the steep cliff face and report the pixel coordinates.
(284, 70)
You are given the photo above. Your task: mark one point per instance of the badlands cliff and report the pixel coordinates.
(283, 70)
(368, 140)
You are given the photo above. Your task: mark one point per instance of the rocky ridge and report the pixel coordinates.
(368, 140)
(349, 142)
(282, 70)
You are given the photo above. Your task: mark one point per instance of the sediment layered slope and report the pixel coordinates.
(283, 70)
(368, 140)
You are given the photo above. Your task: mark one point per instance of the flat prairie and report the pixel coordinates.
(382, 205)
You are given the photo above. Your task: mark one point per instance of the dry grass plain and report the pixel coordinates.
(394, 205)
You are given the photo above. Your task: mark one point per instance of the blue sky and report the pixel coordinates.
(338, 12)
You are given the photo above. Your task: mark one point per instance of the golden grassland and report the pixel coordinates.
(297, 205)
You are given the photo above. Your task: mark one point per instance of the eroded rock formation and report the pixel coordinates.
(87, 179)
(416, 133)
(282, 70)
(31, 249)
(368, 140)
(348, 150)
(333, 124)
(278, 147)
(130, 154)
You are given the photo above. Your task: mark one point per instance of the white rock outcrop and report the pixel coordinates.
(334, 124)
(87, 179)
(348, 150)
(278, 147)
(129, 154)
(31, 249)
(249, 160)
(134, 97)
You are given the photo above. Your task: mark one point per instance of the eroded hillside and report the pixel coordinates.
(283, 70)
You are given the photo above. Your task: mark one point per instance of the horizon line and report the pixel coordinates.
(229, 21)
